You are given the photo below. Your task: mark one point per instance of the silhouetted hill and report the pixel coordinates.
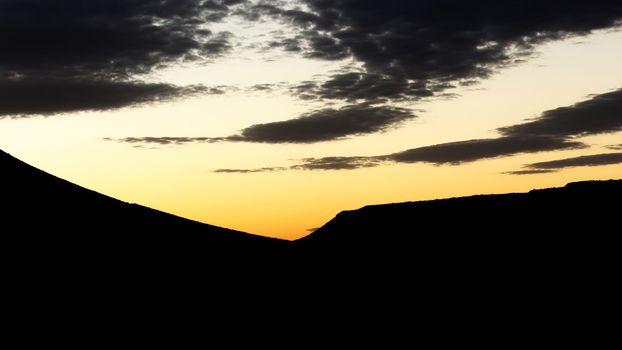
(589, 205)
(51, 225)
(495, 257)
(558, 230)
(490, 263)
(49, 222)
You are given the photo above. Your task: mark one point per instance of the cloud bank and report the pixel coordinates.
(411, 49)
(406, 50)
(323, 125)
(553, 130)
(71, 55)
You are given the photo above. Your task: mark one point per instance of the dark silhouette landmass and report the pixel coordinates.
(51, 226)
(563, 229)
(481, 266)
(486, 246)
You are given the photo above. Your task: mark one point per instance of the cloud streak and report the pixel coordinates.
(338, 163)
(25, 98)
(248, 171)
(554, 130)
(327, 125)
(582, 161)
(472, 150)
(323, 125)
(530, 172)
(598, 115)
(326, 163)
(163, 141)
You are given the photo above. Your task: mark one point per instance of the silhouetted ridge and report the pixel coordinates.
(589, 197)
(51, 224)
(495, 257)
(574, 226)
(454, 250)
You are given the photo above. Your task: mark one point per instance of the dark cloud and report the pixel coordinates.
(431, 45)
(600, 114)
(549, 132)
(555, 129)
(616, 147)
(355, 86)
(268, 88)
(529, 172)
(263, 87)
(287, 44)
(591, 160)
(325, 47)
(164, 141)
(327, 125)
(220, 89)
(446, 153)
(218, 44)
(106, 38)
(51, 48)
(323, 125)
(21, 98)
(472, 150)
(415, 49)
(326, 163)
(338, 163)
(247, 171)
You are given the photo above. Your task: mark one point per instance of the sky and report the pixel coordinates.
(270, 117)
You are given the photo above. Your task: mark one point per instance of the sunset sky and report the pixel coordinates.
(270, 117)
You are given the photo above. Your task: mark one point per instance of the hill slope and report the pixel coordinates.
(49, 224)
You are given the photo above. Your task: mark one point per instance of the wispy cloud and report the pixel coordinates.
(558, 164)
(530, 172)
(35, 97)
(161, 141)
(323, 125)
(247, 171)
(589, 160)
(472, 150)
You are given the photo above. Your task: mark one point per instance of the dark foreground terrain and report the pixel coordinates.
(550, 226)
(51, 225)
(545, 246)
